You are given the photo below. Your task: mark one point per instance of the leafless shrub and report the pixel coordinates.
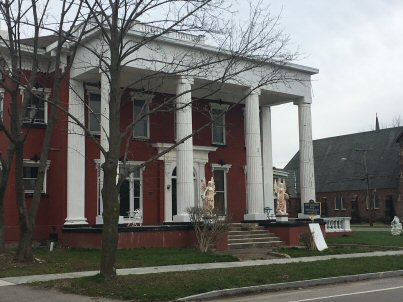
(208, 226)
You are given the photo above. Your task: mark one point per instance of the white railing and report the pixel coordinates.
(148, 30)
(337, 224)
(177, 35)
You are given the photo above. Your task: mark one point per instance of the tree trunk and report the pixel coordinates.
(24, 249)
(5, 173)
(110, 190)
(2, 228)
(110, 217)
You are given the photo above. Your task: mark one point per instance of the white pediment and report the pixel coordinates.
(200, 153)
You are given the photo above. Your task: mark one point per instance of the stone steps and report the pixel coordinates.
(252, 240)
(248, 245)
(245, 238)
(254, 232)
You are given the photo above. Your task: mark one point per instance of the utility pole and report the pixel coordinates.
(366, 178)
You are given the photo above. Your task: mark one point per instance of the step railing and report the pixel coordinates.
(337, 224)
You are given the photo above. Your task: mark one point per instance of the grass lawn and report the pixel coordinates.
(71, 260)
(358, 242)
(369, 238)
(332, 250)
(68, 260)
(170, 286)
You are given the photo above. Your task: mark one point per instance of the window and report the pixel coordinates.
(36, 112)
(220, 180)
(338, 203)
(375, 200)
(141, 127)
(30, 175)
(94, 116)
(218, 126)
(131, 196)
(323, 206)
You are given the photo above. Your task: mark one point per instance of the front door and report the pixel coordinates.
(389, 209)
(355, 215)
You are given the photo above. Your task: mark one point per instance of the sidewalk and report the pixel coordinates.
(189, 267)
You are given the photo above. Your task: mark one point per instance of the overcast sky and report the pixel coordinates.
(357, 45)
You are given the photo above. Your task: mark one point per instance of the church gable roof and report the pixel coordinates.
(339, 161)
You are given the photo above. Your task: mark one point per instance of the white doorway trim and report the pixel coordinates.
(200, 159)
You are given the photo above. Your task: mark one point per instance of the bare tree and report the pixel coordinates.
(30, 15)
(396, 121)
(208, 226)
(238, 48)
(4, 176)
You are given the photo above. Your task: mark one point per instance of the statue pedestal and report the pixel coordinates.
(282, 218)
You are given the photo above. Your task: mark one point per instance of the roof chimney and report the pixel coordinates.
(376, 123)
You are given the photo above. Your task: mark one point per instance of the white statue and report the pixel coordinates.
(396, 226)
(208, 194)
(282, 197)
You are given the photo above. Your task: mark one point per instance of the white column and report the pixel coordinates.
(254, 173)
(307, 174)
(105, 90)
(267, 158)
(184, 151)
(104, 135)
(76, 157)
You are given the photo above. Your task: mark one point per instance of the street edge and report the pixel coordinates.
(290, 285)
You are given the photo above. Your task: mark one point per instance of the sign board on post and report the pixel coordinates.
(318, 236)
(312, 208)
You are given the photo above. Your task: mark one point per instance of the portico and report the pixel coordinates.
(190, 161)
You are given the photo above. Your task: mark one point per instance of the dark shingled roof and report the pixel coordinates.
(339, 161)
(42, 41)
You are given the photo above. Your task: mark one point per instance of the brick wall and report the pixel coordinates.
(355, 206)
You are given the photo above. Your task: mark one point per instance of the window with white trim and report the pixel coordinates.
(218, 132)
(141, 118)
(30, 175)
(339, 202)
(94, 112)
(375, 200)
(131, 192)
(220, 181)
(37, 107)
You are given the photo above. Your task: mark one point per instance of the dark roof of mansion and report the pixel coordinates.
(43, 41)
(339, 161)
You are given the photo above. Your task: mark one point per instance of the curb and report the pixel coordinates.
(290, 285)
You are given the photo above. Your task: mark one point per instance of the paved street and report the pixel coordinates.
(386, 290)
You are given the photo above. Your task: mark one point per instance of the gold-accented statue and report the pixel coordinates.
(208, 194)
(282, 197)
